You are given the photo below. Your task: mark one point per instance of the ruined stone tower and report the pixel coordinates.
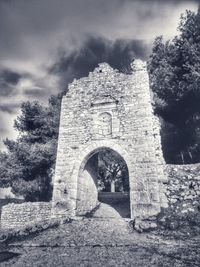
(109, 110)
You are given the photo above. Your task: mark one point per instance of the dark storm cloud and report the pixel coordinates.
(36, 26)
(10, 76)
(9, 108)
(8, 80)
(6, 89)
(118, 54)
(36, 92)
(50, 42)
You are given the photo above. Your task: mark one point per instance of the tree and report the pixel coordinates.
(27, 166)
(174, 69)
(112, 172)
(4, 179)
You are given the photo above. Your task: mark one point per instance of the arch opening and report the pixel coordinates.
(103, 178)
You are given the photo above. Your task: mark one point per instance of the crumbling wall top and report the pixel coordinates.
(138, 65)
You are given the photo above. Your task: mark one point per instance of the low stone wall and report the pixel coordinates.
(19, 215)
(183, 194)
(184, 183)
(183, 189)
(113, 197)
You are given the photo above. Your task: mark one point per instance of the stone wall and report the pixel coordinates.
(88, 187)
(115, 198)
(182, 189)
(184, 183)
(113, 110)
(18, 215)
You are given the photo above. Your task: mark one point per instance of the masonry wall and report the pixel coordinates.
(112, 110)
(87, 193)
(183, 189)
(19, 215)
(184, 183)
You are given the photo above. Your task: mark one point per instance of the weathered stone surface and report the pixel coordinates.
(17, 215)
(110, 110)
(184, 183)
(182, 191)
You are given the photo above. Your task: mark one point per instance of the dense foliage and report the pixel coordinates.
(174, 69)
(112, 172)
(29, 163)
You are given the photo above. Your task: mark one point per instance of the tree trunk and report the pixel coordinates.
(112, 185)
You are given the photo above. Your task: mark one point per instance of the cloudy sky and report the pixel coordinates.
(44, 44)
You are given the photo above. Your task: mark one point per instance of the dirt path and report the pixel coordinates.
(102, 242)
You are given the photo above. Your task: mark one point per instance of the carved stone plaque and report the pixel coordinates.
(104, 125)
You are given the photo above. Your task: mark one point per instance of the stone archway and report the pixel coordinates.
(90, 193)
(113, 110)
